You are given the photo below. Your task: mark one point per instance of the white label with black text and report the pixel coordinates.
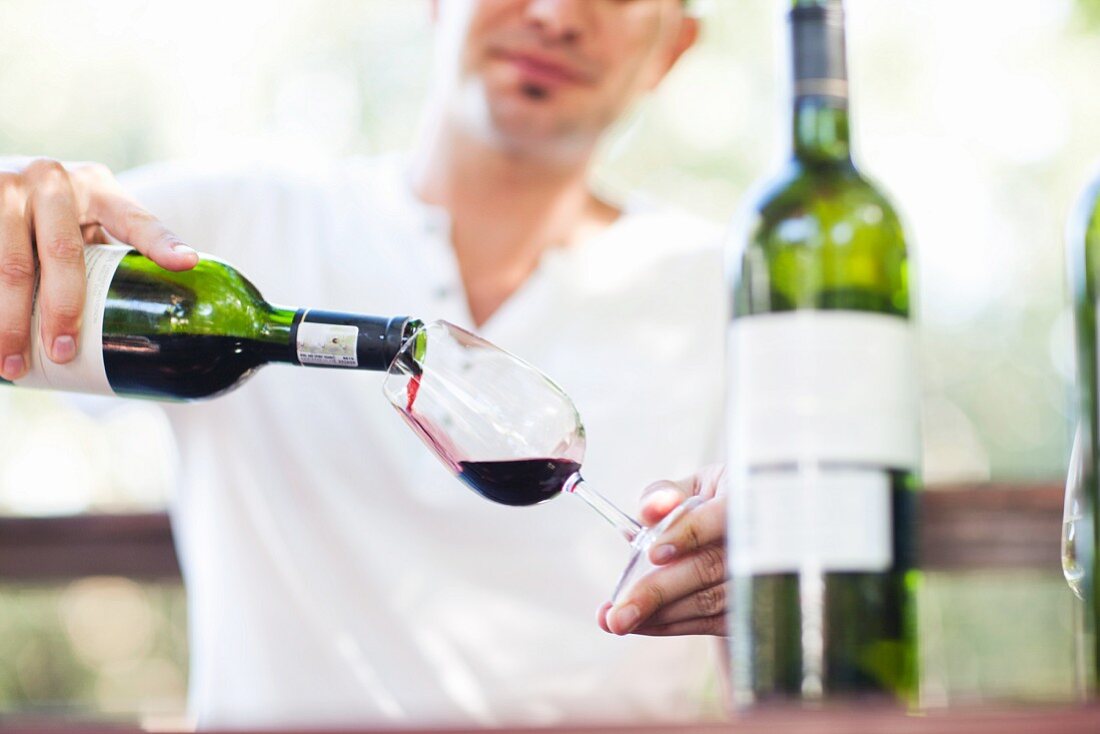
(86, 373)
(332, 345)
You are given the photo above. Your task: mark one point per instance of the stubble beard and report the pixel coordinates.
(517, 132)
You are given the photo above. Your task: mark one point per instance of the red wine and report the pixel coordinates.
(183, 366)
(517, 483)
(410, 392)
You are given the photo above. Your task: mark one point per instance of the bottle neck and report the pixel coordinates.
(275, 340)
(313, 338)
(820, 132)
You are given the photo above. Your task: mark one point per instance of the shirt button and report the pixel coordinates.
(443, 292)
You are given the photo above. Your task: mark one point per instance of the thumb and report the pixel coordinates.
(661, 498)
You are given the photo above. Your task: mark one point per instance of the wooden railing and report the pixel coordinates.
(57, 548)
(984, 526)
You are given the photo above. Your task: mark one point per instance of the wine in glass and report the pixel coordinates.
(504, 428)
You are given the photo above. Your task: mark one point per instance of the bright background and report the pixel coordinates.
(980, 118)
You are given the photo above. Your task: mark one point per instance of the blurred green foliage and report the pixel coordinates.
(1089, 12)
(58, 654)
(38, 669)
(985, 637)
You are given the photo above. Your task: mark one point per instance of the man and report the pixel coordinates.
(335, 572)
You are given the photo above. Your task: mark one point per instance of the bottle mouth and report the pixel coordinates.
(827, 10)
(407, 364)
(406, 343)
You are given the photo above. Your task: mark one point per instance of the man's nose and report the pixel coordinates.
(559, 20)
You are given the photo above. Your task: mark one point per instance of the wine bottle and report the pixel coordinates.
(1083, 253)
(152, 333)
(822, 412)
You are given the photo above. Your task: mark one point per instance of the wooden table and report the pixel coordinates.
(1083, 720)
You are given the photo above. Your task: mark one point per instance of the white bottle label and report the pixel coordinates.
(822, 405)
(831, 520)
(332, 345)
(832, 386)
(86, 373)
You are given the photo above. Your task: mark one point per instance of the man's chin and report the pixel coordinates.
(525, 123)
(522, 128)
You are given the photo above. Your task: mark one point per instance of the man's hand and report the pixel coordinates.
(54, 210)
(686, 593)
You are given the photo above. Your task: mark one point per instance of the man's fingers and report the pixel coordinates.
(47, 209)
(94, 235)
(108, 205)
(674, 624)
(131, 224)
(702, 526)
(60, 247)
(707, 602)
(667, 584)
(661, 498)
(16, 282)
(714, 626)
(658, 500)
(601, 616)
(708, 481)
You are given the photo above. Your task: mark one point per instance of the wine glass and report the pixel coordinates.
(1076, 539)
(1073, 567)
(503, 428)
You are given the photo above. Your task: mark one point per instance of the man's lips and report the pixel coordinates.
(543, 70)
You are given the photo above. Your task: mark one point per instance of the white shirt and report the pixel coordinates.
(336, 573)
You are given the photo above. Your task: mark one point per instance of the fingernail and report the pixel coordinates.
(13, 365)
(64, 347)
(182, 249)
(664, 553)
(626, 618)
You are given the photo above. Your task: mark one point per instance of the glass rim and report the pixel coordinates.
(398, 367)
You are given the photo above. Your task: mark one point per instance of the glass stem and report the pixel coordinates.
(624, 523)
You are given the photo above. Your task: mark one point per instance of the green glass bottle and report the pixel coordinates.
(153, 333)
(1083, 530)
(823, 412)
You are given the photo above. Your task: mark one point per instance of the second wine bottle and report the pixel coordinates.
(822, 417)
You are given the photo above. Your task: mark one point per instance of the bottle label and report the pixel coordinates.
(86, 373)
(824, 519)
(823, 386)
(822, 405)
(327, 345)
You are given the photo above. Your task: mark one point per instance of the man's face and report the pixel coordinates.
(551, 75)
